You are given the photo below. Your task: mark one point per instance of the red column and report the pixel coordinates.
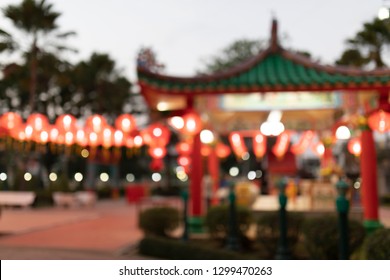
(213, 165)
(368, 166)
(196, 176)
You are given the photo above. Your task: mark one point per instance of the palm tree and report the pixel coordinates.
(368, 45)
(38, 21)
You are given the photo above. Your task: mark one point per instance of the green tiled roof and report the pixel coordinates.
(275, 69)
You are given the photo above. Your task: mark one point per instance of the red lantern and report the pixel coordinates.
(93, 139)
(126, 123)
(379, 121)
(157, 152)
(238, 144)
(53, 134)
(184, 161)
(303, 143)
(184, 148)
(38, 121)
(205, 150)
(156, 135)
(107, 137)
(66, 123)
(222, 150)
(355, 146)
(281, 144)
(10, 121)
(81, 138)
(259, 145)
(192, 123)
(43, 137)
(119, 138)
(96, 123)
(319, 149)
(69, 138)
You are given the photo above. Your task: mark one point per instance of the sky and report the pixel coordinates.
(185, 33)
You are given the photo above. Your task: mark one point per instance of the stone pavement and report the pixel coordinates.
(109, 230)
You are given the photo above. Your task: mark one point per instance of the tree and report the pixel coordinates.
(234, 54)
(98, 86)
(38, 22)
(368, 45)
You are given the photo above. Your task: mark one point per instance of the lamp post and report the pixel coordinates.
(185, 214)
(342, 205)
(282, 253)
(232, 240)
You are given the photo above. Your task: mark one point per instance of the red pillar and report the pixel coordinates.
(196, 176)
(368, 166)
(213, 165)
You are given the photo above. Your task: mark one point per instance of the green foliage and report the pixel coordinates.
(268, 232)
(368, 44)
(321, 235)
(236, 53)
(159, 220)
(377, 244)
(217, 222)
(177, 250)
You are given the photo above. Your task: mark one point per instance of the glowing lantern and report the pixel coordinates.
(96, 123)
(156, 135)
(281, 145)
(184, 161)
(37, 121)
(176, 122)
(107, 137)
(66, 123)
(222, 150)
(125, 123)
(118, 138)
(157, 153)
(138, 141)
(43, 137)
(355, 146)
(205, 150)
(81, 138)
(192, 123)
(10, 120)
(379, 121)
(28, 130)
(69, 138)
(93, 139)
(303, 143)
(319, 149)
(259, 145)
(183, 148)
(238, 144)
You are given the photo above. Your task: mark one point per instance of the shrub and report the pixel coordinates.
(321, 236)
(217, 222)
(159, 220)
(177, 250)
(376, 246)
(268, 230)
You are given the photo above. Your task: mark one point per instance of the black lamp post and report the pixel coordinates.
(282, 252)
(184, 195)
(232, 240)
(342, 205)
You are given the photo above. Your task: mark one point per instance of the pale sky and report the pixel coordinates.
(185, 32)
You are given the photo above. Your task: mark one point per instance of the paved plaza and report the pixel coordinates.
(107, 231)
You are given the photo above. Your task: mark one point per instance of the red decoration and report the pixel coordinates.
(259, 144)
(10, 121)
(156, 135)
(126, 123)
(81, 138)
(281, 144)
(319, 149)
(66, 123)
(379, 121)
(222, 150)
(238, 144)
(95, 123)
(192, 123)
(38, 122)
(184, 148)
(303, 143)
(355, 146)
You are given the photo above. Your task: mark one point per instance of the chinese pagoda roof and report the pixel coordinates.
(273, 70)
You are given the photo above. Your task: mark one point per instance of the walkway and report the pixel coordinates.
(107, 231)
